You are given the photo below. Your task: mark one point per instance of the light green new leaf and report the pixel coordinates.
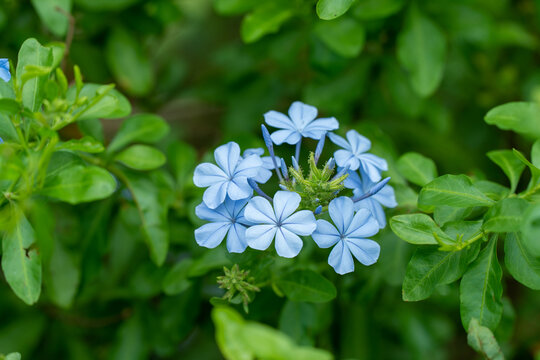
(141, 157)
(481, 339)
(55, 20)
(21, 263)
(505, 216)
(376, 9)
(417, 168)
(481, 289)
(520, 117)
(418, 229)
(521, 264)
(509, 164)
(421, 49)
(143, 128)
(307, 285)
(86, 144)
(176, 280)
(33, 54)
(13, 356)
(113, 105)
(430, 267)
(267, 18)
(331, 9)
(344, 36)
(453, 190)
(128, 62)
(78, 183)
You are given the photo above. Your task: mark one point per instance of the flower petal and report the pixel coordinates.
(227, 157)
(285, 203)
(288, 244)
(278, 120)
(259, 211)
(362, 225)
(263, 175)
(341, 211)
(236, 240)
(301, 114)
(218, 214)
(248, 167)
(288, 136)
(235, 209)
(365, 250)
(325, 235)
(353, 181)
(372, 165)
(239, 188)
(359, 143)
(346, 158)
(317, 128)
(253, 151)
(301, 223)
(341, 259)
(339, 141)
(260, 237)
(215, 195)
(386, 197)
(212, 234)
(375, 208)
(207, 174)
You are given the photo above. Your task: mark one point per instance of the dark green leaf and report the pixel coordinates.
(531, 228)
(509, 164)
(306, 285)
(55, 20)
(521, 264)
(505, 216)
(376, 9)
(62, 276)
(233, 7)
(453, 190)
(176, 281)
(417, 168)
(344, 36)
(142, 128)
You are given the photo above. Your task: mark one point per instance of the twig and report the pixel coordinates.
(69, 35)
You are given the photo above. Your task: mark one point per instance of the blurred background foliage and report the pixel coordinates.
(412, 76)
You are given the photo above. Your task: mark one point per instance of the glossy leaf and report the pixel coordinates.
(307, 285)
(505, 216)
(331, 9)
(453, 190)
(510, 165)
(418, 229)
(141, 157)
(521, 264)
(520, 117)
(113, 105)
(417, 168)
(86, 144)
(141, 128)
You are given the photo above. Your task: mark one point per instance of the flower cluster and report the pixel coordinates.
(348, 190)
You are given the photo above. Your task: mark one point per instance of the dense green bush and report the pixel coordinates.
(99, 257)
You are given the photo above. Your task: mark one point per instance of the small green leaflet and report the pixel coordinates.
(419, 229)
(453, 190)
(509, 164)
(331, 9)
(417, 168)
(520, 117)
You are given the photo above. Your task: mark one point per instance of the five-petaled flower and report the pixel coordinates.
(374, 203)
(355, 157)
(264, 172)
(4, 70)
(226, 218)
(280, 222)
(349, 235)
(229, 177)
(300, 123)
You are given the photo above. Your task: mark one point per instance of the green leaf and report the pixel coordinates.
(62, 276)
(418, 229)
(13, 356)
(78, 183)
(55, 20)
(535, 171)
(520, 117)
(521, 264)
(141, 157)
(9, 106)
(453, 190)
(331, 9)
(509, 164)
(481, 339)
(535, 154)
(183, 159)
(128, 62)
(267, 18)
(421, 49)
(307, 285)
(505, 216)
(376, 9)
(430, 267)
(481, 289)
(344, 36)
(176, 281)
(531, 228)
(105, 5)
(21, 263)
(33, 54)
(445, 214)
(417, 168)
(297, 320)
(113, 105)
(86, 144)
(143, 128)
(234, 7)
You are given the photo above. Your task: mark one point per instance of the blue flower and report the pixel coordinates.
(348, 235)
(354, 155)
(4, 70)
(229, 177)
(265, 172)
(374, 203)
(226, 218)
(280, 222)
(300, 123)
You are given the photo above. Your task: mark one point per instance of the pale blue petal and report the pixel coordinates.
(268, 163)
(212, 234)
(362, 225)
(339, 141)
(248, 167)
(353, 181)
(317, 128)
(286, 136)
(288, 244)
(365, 250)
(260, 237)
(341, 211)
(301, 114)
(341, 259)
(301, 223)
(236, 240)
(375, 208)
(278, 120)
(239, 189)
(263, 175)
(346, 158)
(235, 209)
(260, 211)
(325, 235)
(227, 157)
(372, 165)
(285, 203)
(5, 74)
(219, 214)
(359, 143)
(207, 174)
(386, 197)
(253, 151)
(215, 195)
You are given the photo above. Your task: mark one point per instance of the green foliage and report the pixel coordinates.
(306, 285)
